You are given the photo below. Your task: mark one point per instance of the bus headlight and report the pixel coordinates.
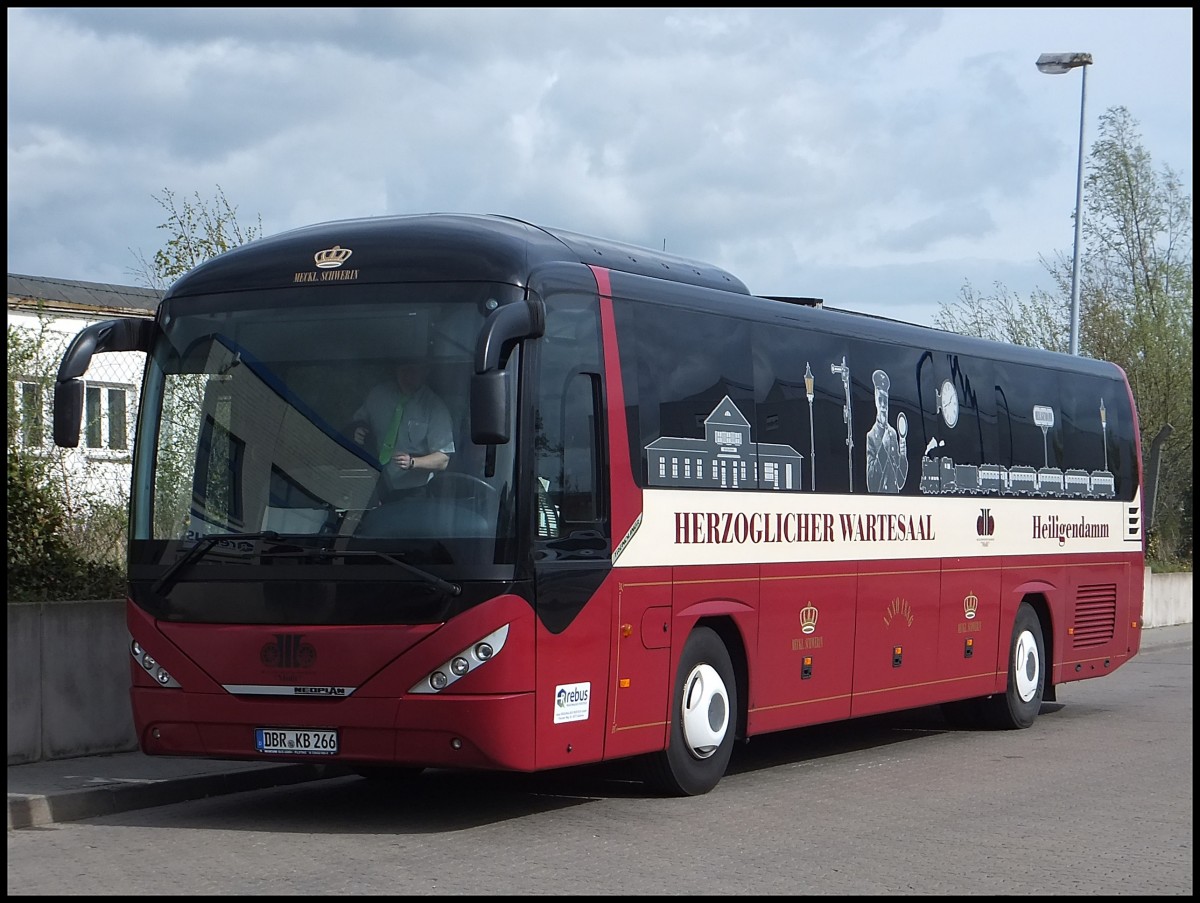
(160, 674)
(477, 654)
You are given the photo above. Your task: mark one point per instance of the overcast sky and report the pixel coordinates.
(879, 159)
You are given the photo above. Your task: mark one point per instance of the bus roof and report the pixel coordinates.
(425, 247)
(494, 248)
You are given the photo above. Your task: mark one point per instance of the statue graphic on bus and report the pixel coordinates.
(887, 445)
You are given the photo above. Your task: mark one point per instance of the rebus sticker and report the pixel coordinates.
(571, 702)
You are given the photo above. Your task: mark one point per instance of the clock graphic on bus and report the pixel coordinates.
(948, 403)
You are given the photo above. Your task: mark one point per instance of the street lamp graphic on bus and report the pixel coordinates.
(844, 371)
(1044, 417)
(812, 446)
(1104, 431)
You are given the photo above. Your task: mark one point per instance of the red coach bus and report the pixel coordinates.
(653, 514)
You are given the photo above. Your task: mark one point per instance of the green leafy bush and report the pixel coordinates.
(42, 565)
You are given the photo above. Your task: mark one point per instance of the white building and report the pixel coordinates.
(56, 310)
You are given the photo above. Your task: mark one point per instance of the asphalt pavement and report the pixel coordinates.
(62, 790)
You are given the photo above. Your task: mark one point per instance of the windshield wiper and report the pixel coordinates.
(452, 589)
(198, 551)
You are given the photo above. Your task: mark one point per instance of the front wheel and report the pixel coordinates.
(703, 720)
(1022, 700)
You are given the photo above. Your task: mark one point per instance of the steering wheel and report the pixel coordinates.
(454, 484)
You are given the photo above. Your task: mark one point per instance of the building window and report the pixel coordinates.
(118, 419)
(106, 417)
(729, 438)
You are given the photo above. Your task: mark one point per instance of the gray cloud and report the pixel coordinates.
(879, 157)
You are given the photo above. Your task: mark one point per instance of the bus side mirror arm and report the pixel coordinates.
(490, 390)
(99, 338)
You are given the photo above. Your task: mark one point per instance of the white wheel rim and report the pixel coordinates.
(705, 711)
(1027, 666)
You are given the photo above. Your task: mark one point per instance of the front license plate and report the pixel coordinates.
(295, 742)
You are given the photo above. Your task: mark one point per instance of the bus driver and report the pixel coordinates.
(410, 426)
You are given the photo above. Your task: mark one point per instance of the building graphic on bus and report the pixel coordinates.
(727, 457)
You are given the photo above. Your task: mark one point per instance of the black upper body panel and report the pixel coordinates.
(434, 247)
(490, 248)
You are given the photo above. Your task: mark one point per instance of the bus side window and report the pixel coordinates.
(579, 453)
(567, 408)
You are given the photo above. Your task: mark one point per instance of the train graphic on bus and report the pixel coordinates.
(942, 476)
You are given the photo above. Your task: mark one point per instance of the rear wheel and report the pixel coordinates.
(703, 720)
(1022, 700)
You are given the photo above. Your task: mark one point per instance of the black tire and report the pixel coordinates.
(1018, 707)
(703, 717)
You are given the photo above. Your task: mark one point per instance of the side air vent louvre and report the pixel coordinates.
(1095, 615)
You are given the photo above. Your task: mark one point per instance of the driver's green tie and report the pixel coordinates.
(389, 442)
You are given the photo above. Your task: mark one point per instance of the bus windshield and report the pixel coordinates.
(336, 416)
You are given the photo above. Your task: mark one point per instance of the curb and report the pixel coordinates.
(30, 810)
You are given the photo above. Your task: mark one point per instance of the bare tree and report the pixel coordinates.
(1039, 322)
(197, 231)
(1135, 309)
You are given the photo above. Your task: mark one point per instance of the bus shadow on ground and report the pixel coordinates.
(806, 744)
(444, 800)
(436, 801)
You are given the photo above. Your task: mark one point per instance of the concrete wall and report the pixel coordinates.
(68, 671)
(68, 680)
(1168, 599)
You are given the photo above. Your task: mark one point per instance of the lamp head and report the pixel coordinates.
(1060, 63)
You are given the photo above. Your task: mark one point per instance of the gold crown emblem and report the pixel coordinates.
(808, 618)
(970, 603)
(332, 257)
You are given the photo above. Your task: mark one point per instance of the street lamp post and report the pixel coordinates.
(1058, 64)
(812, 446)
